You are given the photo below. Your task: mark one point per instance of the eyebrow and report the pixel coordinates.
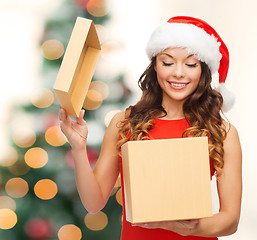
(191, 55)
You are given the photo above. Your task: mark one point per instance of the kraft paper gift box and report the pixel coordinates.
(77, 66)
(167, 179)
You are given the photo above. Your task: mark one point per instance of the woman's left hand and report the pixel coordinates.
(182, 227)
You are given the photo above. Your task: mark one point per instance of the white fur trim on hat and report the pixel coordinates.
(228, 97)
(189, 36)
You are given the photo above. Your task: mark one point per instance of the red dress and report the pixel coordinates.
(163, 129)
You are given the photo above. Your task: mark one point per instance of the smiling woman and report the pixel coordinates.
(176, 87)
(178, 74)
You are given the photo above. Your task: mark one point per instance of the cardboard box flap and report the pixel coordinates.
(77, 66)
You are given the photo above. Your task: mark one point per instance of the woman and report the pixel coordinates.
(177, 101)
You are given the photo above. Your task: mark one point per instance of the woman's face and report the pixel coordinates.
(178, 73)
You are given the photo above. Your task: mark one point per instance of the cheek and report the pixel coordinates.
(162, 73)
(196, 76)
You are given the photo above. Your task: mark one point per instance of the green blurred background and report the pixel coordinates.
(38, 196)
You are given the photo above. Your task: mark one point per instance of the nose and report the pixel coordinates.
(178, 71)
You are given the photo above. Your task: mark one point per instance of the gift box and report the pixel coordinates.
(77, 67)
(167, 179)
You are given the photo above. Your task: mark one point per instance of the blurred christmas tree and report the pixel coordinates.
(38, 196)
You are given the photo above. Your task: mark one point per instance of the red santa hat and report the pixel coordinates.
(199, 38)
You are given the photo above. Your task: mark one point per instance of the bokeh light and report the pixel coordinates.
(8, 157)
(96, 221)
(24, 137)
(16, 187)
(118, 182)
(119, 196)
(42, 98)
(81, 3)
(39, 228)
(93, 100)
(7, 202)
(69, 232)
(36, 157)
(108, 117)
(97, 92)
(52, 49)
(45, 189)
(55, 137)
(8, 218)
(97, 8)
(101, 88)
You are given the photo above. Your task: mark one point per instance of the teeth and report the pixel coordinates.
(178, 84)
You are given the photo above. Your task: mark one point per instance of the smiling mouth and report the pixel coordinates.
(178, 85)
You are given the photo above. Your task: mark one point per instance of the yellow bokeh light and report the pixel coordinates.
(97, 8)
(36, 157)
(9, 157)
(118, 182)
(24, 137)
(55, 137)
(108, 117)
(16, 187)
(93, 100)
(52, 49)
(119, 196)
(42, 98)
(101, 88)
(45, 189)
(7, 202)
(69, 232)
(8, 218)
(96, 221)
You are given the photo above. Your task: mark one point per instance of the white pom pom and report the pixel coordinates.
(228, 97)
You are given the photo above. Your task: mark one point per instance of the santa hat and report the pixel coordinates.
(199, 38)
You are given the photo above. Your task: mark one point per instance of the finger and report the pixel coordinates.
(195, 221)
(62, 114)
(63, 128)
(148, 225)
(190, 223)
(64, 117)
(80, 119)
(144, 225)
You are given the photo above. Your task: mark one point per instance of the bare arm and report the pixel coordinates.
(229, 189)
(94, 187)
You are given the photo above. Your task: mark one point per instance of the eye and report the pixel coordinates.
(192, 65)
(166, 64)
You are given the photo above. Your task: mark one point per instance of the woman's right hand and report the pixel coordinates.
(75, 131)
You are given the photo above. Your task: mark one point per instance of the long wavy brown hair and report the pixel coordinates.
(202, 110)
